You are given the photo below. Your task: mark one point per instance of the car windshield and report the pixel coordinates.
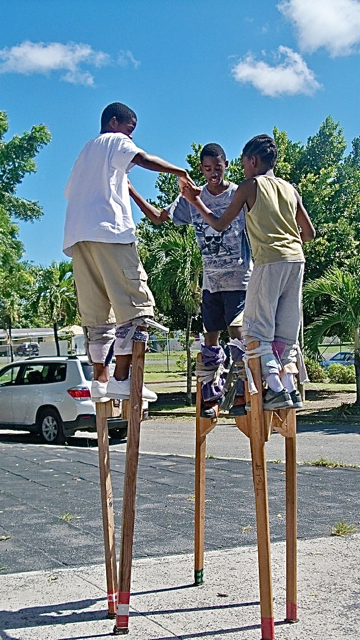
(88, 370)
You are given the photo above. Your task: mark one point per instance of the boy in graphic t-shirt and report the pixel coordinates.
(227, 267)
(272, 311)
(100, 236)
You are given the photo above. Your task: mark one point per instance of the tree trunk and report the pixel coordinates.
(357, 365)
(56, 339)
(188, 361)
(11, 341)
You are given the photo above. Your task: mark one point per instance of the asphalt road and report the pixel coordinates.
(50, 513)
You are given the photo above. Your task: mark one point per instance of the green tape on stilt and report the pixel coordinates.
(199, 576)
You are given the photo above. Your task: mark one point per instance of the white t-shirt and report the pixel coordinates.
(98, 195)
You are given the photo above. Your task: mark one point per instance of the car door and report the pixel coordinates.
(28, 396)
(9, 378)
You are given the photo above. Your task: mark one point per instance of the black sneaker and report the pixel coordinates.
(237, 410)
(277, 400)
(208, 411)
(296, 399)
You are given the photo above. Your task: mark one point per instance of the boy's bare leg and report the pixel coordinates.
(122, 367)
(101, 372)
(212, 339)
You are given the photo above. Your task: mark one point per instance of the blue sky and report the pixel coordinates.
(194, 71)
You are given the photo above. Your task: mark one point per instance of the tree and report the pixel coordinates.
(55, 296)
(343, 289)
(175, 271)
(16, 160)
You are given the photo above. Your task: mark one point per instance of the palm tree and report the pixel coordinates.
(55, 296)
(343, 290)
(175, 270)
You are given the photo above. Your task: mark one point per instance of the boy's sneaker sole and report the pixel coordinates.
(280, 400)
(296, 399)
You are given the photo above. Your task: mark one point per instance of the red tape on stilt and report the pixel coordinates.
(112, 601)
(291, 611)
(267, 629)
(122, 614)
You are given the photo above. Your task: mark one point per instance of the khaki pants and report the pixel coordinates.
(111, 283)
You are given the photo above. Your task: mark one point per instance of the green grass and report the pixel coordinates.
(150, 375)
(67, 517)
(330, 464)
(342, 529)
(329, 386)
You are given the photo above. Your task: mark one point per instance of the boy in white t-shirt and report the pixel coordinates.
(99, 234)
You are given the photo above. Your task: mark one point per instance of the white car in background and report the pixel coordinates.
(51, 396)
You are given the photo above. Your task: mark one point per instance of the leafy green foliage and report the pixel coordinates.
(17, 160)
(341, 375)
(315, 371)
(16, 277)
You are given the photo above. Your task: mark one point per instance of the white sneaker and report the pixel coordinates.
(120, 389)
(99, 391)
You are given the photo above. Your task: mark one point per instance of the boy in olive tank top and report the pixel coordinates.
(274, 213)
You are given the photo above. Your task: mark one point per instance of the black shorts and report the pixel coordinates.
(220, 309)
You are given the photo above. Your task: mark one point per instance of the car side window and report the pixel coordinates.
(33, 374)
(9, 376)
(57, 373)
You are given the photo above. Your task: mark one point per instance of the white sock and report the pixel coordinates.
(274, 382)
(288, 381)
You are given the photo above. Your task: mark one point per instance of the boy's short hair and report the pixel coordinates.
(121, 112)
(264, 147)
(212, 149)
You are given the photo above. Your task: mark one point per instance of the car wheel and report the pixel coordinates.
(50, 427)
(118, 434)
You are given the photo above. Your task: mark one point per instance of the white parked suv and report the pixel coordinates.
(51, 396)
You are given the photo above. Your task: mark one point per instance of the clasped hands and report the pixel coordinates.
(188, 188)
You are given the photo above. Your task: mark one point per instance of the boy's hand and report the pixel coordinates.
(184, 181)
(190, 192)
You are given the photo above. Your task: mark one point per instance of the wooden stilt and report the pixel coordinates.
(257, 443)
(129, 494)
(203, 427)
(103, 412)
(291, 521)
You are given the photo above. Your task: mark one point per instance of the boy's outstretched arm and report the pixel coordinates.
(154, 163)
(243, 195)
(155, 215)
(302, 218)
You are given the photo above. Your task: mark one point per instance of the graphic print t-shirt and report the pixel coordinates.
(225, 254)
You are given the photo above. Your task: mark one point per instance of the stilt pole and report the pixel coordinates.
(203, 427)
(291, 520)
(129, 494)
(103, 411)
(257, 443)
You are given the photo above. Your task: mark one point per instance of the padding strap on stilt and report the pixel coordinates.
(211, 367)
(261, 350)
(130, 330)
(208, 373)
(300, 362)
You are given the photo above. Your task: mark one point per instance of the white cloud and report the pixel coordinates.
(290, 77)
(70, 59)
(125, 58)
(332, 24)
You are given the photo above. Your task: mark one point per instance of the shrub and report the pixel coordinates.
(341, 375)
(315, 372)
(181, 362)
